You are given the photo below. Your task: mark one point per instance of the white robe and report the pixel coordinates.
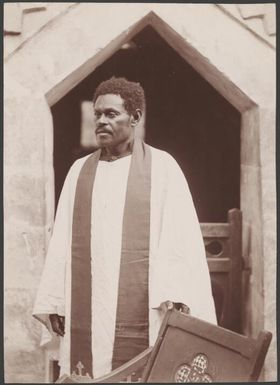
(177, 263)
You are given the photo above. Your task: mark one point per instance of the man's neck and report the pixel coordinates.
(118, 151)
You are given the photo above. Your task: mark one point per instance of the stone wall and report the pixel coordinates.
(43, 64)
(25, 238)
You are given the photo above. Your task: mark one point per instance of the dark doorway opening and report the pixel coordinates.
(185, 116)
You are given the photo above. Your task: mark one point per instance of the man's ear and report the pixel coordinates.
(136, 117)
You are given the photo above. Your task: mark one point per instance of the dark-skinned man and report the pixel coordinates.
(126, 244)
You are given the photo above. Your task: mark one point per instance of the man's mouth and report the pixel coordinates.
(101, 131)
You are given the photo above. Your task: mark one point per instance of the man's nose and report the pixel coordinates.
(102, 119)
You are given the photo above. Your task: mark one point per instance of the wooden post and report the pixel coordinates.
(235, 277)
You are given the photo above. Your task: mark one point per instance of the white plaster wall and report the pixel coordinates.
(74, 38)
(25, 19)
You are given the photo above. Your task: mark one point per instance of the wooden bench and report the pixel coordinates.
(191, 350)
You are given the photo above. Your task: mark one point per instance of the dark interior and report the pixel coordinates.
(186, 116)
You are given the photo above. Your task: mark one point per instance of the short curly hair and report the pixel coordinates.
(131, 92)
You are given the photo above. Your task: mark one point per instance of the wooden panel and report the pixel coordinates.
(223, 245)
(191, 350)
(219, 265)
(219, 230)
(206, 330)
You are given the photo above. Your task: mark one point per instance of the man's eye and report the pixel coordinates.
(111, 114)
(97, 115)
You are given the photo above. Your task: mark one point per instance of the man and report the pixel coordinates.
(126, 244)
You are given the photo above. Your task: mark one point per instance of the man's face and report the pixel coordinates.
(113, 123)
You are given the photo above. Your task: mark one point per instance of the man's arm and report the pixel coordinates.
(50, 294)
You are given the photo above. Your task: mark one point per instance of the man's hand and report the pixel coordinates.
(57, 323)
(169, 305)
(166, 305)
(182, 307)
